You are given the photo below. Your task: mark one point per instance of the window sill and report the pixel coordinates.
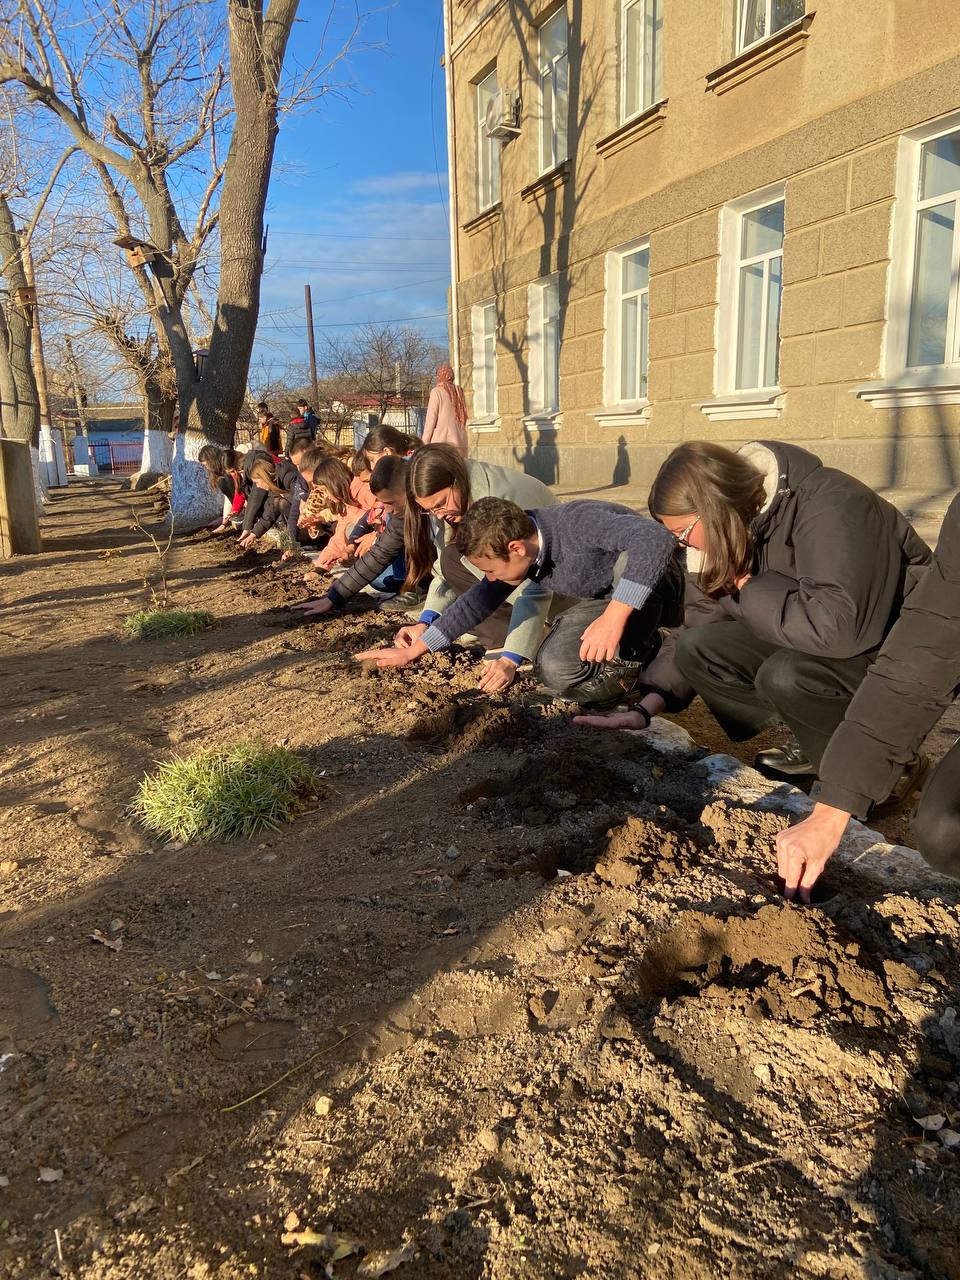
(549, 181)
(759, 57)
(488, 218)
(744, 404)
(637, 127)
(484, 425)
(617, 416)
(909, 392)
(542, 421)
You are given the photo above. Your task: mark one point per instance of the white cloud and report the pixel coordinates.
(387, 184)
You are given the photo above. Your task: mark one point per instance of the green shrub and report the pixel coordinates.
(223, 794)
(162, 624)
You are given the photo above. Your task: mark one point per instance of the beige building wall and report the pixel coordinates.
(821, 113)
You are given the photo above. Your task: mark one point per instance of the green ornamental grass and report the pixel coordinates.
(162, 624)
(223, 794)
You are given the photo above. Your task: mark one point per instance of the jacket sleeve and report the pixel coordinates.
(648, 547)
(254, 506)
(468, 612)
(433, 413)
(848, 576)
(914, 679)
(368, 566)
(272, 511)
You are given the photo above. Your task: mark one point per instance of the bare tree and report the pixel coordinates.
(166, 62)
(386, 364)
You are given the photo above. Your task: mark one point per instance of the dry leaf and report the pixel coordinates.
(949, 1137)
(49, 1175)
(931, 1123)
(381, 1261)
(113, 943)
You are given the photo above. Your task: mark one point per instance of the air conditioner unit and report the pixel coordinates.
(503, 115)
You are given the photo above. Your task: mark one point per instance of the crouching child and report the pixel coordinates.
(616, 581)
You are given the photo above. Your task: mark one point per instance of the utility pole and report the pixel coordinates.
(311, 346)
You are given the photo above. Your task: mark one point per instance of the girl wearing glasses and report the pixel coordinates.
(803, 570)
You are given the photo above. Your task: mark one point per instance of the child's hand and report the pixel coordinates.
(618, 720)
(311, 608)
(407, 636)
(247, 540)
(497, 674)
(391, 657)
(601, 639)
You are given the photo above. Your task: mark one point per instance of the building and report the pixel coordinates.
(718, 219)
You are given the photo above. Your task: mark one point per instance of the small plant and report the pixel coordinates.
(163, 624)
(222, 794)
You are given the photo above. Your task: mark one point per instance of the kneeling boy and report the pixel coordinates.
(618, 569)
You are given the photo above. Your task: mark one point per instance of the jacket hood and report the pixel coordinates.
(784, 467)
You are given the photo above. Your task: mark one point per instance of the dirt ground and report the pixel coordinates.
(524, 1001)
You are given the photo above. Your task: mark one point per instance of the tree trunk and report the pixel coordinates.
(159, 412)
(8, 387)
(27, 424)
(257, 48)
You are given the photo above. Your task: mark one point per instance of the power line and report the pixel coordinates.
(351, 297)
(348, 324)
(335, 235)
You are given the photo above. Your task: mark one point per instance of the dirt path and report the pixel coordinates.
(547, 1014)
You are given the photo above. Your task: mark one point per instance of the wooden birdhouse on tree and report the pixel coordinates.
(140, 253)
(26, 296)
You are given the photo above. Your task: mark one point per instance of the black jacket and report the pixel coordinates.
(914, 679)
(832, 565)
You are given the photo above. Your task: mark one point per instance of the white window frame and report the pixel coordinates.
(649, 57)
(728, 314)
(543, 345)
(904, 256)
(553, 142)
(485, 391)
(488, 149)
(613, 368)
(742, 45)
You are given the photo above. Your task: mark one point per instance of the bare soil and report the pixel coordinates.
(522, 1001)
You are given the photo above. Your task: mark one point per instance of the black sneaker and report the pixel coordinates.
(405, 602)
(786, 761)
(615, 684)
(911, 780)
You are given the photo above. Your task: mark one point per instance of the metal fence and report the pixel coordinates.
(117, 459)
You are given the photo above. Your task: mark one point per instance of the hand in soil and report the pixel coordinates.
(618, 720)
(391, 657)
(312, 608)
(804, 850)
(407, 636)
(246, 541)
(497, 675)
(599, 642)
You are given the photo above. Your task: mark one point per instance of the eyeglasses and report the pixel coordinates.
(443, 507)
(683, 538)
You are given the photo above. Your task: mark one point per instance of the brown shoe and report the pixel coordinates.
(911, 780)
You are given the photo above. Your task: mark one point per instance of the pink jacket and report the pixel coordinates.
(338, 547)
(441, 426)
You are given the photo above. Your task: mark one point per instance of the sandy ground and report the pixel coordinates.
(525, 1001)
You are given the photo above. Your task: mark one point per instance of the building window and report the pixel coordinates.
(488, 149)
(641, 56)
(933, 337)
(757, 20)
(751, 286)
(553, 71)
(484, 317)
(628, 322)
(543, 311)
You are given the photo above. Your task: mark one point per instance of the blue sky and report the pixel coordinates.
(357, 202)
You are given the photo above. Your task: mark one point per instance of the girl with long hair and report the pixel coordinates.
(225, 477)
(446, 420)
(386, 441)
(800, 568)
(349, 498)
(275, 487)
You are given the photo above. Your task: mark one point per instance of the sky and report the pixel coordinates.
(357, 205)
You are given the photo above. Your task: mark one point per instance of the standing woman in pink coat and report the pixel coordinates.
(446, 413)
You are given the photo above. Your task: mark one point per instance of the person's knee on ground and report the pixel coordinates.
(935, 828)
(556, 666)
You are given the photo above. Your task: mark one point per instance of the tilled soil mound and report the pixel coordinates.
(514, 1001)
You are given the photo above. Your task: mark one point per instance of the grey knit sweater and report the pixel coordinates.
(581, 543)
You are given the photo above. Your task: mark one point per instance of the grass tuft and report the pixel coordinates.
(163, 624)
(225, 794)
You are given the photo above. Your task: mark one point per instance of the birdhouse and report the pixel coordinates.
(139, 253)
(26, 296)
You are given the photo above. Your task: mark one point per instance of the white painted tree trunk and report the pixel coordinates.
(157, 453)
(39, 477)
(192, 502)
(84, 463)
(53, 457)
